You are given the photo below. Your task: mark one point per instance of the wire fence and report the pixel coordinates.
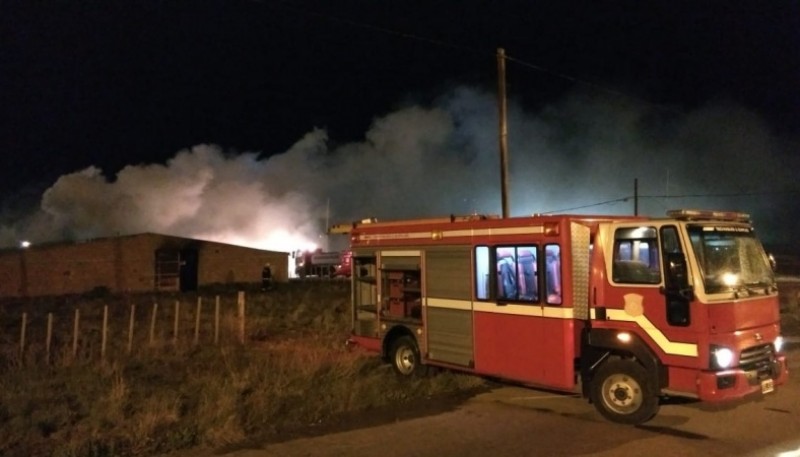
(79, 334)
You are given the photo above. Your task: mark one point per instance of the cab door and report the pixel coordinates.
(635, 294)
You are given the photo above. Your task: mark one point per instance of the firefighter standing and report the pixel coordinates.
(266, 277)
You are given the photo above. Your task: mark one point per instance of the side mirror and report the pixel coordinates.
(677, 275)
(679, 293)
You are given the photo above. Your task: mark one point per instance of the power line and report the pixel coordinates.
(366, 26)
(593, 85)
(727, 194)
(608, 202)
(630, 197)
(450, 45)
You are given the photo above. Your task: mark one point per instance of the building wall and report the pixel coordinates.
(224, 263)
(58, 269)
(125, 264)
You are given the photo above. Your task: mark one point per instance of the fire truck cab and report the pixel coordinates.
(623, 310)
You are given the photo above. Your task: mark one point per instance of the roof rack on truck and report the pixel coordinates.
(373, 222)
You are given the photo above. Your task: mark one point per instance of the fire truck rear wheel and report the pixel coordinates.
(621, 392)
(405, 357)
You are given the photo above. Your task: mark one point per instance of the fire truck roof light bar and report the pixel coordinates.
(696, 214)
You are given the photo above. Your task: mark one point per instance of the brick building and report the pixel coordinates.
(135, 263)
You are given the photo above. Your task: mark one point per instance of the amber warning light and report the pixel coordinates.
(695, 214)
(551, 229)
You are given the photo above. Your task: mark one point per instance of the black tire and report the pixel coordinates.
(404, 357)
(621, 393)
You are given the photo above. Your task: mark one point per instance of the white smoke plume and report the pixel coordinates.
(580, 155)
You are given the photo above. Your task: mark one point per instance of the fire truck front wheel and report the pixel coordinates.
(405, 357)
(621, 392)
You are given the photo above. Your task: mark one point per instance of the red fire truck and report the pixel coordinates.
(319, 264)
(624, 310)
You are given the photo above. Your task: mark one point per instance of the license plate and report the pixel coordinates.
(767, 386)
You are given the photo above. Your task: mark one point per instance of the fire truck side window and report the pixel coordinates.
(517, 277)
(552, 273)
(482, 273)
(636, 257)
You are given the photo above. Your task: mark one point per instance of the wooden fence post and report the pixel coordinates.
(130, 329)
(49, 335)
(240, 301)
(22, 335)
(197, 321)
(75, 325)
(153, 324)
(175, 325)
(104, 338)
(216, 321)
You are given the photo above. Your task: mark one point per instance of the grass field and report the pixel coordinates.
(293, 372)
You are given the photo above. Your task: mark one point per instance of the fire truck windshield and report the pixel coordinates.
(731, 259)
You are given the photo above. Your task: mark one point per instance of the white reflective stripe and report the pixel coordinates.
(518, 310)
(558, 312)
(685, 349)
(534, 229)
(456, 233)
(400, 253)
(517, 230)
(465, 305)
(555, 312)
(524, 310)
(393, 236)
(493, 231)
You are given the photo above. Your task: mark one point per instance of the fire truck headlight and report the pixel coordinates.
(624, 337)
(778, 344)
(730, 279)
(721, 357)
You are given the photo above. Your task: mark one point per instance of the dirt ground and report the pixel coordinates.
(351, 421)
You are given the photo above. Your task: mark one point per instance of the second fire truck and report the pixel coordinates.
(319, 264)
(623, 310)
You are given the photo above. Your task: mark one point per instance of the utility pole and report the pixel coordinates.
(635, 196)
(502, 108)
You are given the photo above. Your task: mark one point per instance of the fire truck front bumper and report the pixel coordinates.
(737, 383)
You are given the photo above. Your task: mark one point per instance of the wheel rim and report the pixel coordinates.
(622, 394)
(405, 360)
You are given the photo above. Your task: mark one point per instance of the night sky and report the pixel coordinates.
(300, 89)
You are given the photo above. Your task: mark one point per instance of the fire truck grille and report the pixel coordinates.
(758, 360)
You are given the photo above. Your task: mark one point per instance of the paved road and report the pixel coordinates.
(514, 421)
